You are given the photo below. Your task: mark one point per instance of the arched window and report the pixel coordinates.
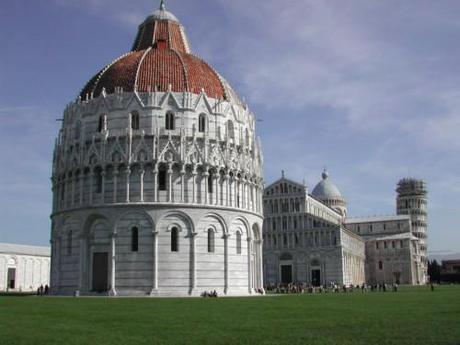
(134, 121)
(202, 123)
(238, 243)
(169, 125)
(134, 239)
(230, 129)
(210, 184)
(380, 265)
(247, 137)
(99, 181)
(101, 124)
(174, 239)
(162, 179)
(211, 241)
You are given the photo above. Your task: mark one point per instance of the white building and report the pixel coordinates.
(309, 239)
(306, 241)
(23, 268)
(157, 177)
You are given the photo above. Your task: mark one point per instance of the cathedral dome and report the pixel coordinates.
(326, 189)
(160, 60)
(162, 14)
(157, 171)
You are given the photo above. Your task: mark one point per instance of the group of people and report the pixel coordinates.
(43, 291)
(331, 287)
(209, 294)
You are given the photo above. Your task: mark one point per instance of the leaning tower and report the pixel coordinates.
(412, 200)
(157, 177)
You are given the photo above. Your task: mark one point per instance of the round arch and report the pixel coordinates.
(181, 215)
(91, 220)
(219, 219)
(141, 213)
(245, 223)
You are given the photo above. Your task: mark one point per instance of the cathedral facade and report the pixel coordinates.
(308, 238)
(157, 178)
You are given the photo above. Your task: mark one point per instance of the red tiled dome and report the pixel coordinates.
(160, 57)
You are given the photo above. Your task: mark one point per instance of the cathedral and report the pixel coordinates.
(157, 178)
(309, 238)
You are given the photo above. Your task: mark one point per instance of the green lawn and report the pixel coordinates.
(410, 316)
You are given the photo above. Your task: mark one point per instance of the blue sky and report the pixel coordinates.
(368, 88)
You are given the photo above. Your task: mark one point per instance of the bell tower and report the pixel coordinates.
(412, 200)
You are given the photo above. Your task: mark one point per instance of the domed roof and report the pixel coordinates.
(160, 58)
(326, 189)
(162, 14)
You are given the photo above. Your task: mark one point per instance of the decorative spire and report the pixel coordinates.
(162, 5)
(325, 174)
(282, 173)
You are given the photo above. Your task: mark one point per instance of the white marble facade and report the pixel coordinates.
(23, 268)
(157, 193)
(305, 240)
(308, 239)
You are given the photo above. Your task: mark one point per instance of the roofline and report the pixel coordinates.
(376, 219)
(285, 179)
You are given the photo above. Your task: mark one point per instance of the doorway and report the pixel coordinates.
(100, 272)
(316, 277)
(286, 274)
(11, 278)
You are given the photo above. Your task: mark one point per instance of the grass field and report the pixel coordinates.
(410, 316)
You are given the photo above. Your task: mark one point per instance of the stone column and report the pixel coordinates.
(58, 262)
(83, 267)
(249, 239)
(227, 189)
(260, 198)
(194, 185)
(259, 266)
(115, 184)
(182, 184)
(192, 263)
(54, 276)
(142, 174)
(91, 187)
(113, 291)
(154, 291)
(155, 183)
(256, 197)
(128, 174)
(226, 285)
(237, 192)
(253, 197)
(243, 192)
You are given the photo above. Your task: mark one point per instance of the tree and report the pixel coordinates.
(434, 271)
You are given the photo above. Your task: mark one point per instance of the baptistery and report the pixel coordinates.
(157, 178)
